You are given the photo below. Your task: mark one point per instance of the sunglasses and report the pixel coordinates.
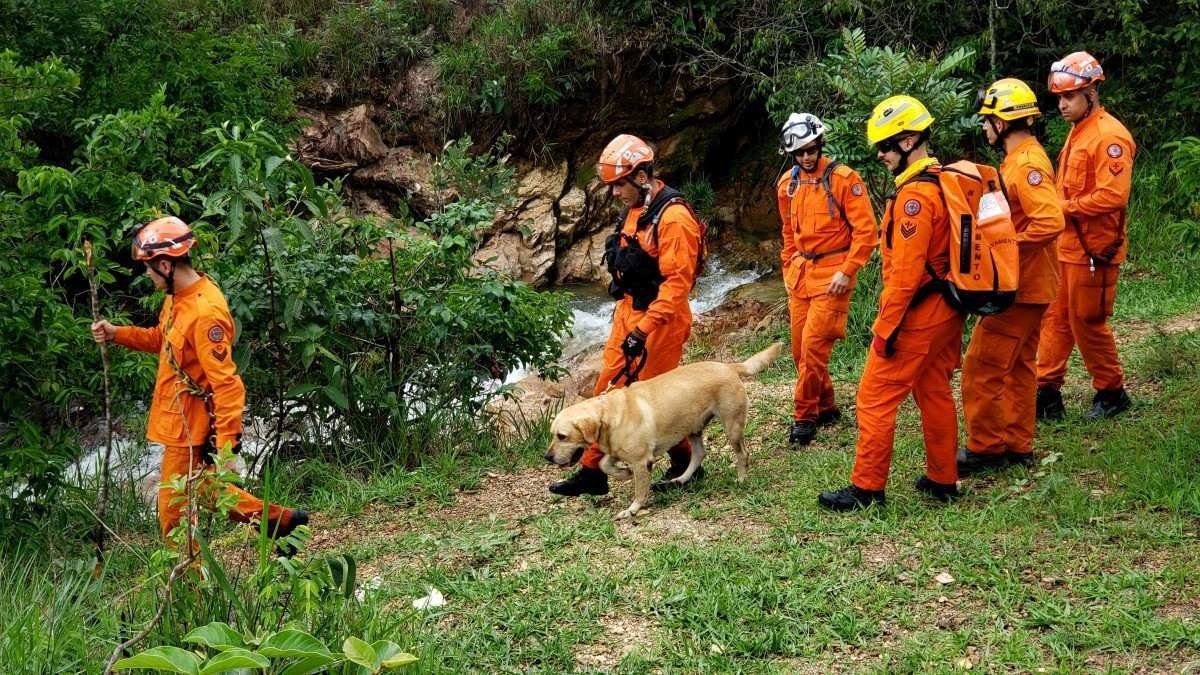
(810, 150)
(888, 145)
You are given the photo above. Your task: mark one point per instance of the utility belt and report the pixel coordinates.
(1105, 257)
(814, 257)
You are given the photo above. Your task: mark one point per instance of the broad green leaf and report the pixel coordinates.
(337, 396)
(390, 655)
(234, 659)
(293, 644)
(308, 665)
(359, 652)
(217, 635)
(163, 659)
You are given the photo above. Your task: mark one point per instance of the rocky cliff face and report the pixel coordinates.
(555, 232)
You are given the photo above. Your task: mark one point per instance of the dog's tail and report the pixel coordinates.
(757, 363)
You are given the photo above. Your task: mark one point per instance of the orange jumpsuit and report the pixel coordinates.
(817, 242)
(1095, 172)
(928, 339)
(999, 382)
(196, 328)
(667, 322)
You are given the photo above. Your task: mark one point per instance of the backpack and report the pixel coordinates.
(826, 182)
(984, 257)
(633, 270)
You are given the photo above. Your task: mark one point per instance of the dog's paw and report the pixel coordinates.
(627, 513)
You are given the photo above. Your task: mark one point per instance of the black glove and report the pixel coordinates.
(634, 344)
(209, 451)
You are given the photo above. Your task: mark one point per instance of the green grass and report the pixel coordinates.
(1085, 563)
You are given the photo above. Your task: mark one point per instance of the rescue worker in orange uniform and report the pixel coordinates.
(654, 258)
(999, 380)
(1095, 173)
(198, 395)
(829, 232)
(917, 334)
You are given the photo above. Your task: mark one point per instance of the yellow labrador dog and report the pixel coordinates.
(636, 424)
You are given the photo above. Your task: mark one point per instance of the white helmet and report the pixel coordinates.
(799, 130)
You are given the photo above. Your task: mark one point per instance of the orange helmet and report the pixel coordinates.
(1075, 71)
(621, 157)
(167, 236)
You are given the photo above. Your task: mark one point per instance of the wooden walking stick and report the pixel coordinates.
(102, 510)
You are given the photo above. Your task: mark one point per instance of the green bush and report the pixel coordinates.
(350, 330)
(380, 39)
(522, 60)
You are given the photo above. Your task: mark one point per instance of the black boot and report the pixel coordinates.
(1024, 459)
(850, 498)
(1108, 404)
(1050, 404)
(585, 481)
(939, 491)
(803, 432)
(970, 463)
(828, 418)
(679, 461)
(278, 531)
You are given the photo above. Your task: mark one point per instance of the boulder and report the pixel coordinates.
(532, 397)
(341, 142)
(580, 263)
(416, 106)
(524, 241)
(407, 173)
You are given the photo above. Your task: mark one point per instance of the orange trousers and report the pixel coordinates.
(817, 323)
(999, 381)
(179, 461)
(664, 351)
(1079, 316)
(923, 363)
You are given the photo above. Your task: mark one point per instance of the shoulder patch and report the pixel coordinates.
(912, 207)
(856, 189)
(216, 334)
(1114, 150)
(1115, 168)
(1034, 177)
(220, 352)
(907, 230)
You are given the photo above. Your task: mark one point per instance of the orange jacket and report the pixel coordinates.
(916, 231)
(810, 228)
(677, 251)
(195, 325)
(1095, 172)
(1038, 218)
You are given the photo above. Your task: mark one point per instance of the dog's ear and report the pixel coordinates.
(589, 428)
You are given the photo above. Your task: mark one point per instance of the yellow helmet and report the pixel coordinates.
(1009, 99)
(897, 114)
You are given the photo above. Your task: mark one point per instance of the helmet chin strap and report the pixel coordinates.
(905, 153)
(168, 279)
(644, 194)
(998, 144)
